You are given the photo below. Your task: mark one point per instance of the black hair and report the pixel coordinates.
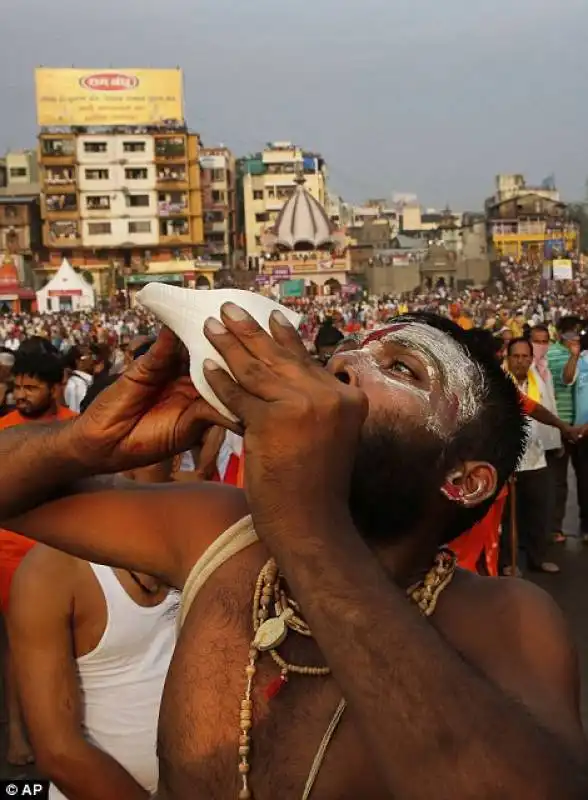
(38, 344)
(102, 354)
(568, 324)
(99, 385)
(487, 341)
(541, 326)
(516, 341)
(45, 367)
(75, 353)
(496, 435)
(328, 335)
(71, 357)
(104, 381)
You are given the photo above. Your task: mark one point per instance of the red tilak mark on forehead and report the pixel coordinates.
(376, 336)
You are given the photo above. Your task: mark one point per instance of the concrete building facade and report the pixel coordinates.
(125, 205)
(268, 181)
(529, 222)
(219, 204)
(21, 168)
(20, 229)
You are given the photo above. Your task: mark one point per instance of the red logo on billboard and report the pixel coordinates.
(109, 82)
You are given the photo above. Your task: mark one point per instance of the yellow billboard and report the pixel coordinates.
(85, 97)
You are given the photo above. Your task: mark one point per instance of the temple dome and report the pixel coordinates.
(302, 224)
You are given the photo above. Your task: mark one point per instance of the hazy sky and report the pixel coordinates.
(427, 96)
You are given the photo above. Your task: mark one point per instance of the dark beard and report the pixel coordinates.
(398, 472)
(35, 413)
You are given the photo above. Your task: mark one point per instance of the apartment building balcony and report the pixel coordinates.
(59, 179)
(215, 199)
(62, 234)
(58, 151)
(170, 148)
(60, 207)
(174, 231)
(172, 204)
(505, 236)
(217, 226)
(171, 178)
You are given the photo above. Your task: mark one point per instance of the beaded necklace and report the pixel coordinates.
(271, 631)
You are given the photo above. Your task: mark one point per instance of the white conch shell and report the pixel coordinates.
(185, 311)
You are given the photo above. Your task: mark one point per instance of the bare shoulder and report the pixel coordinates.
(46, 566)
(43, 583)
(518, 637)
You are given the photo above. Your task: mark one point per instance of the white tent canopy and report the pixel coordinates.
(66, 291)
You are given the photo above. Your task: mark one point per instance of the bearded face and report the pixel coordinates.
(422, 387)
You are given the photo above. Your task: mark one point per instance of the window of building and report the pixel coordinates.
(97, 174)
(95, 147)
(263, 217)
(257, 195)
(11, 241)
(140, 227)
(283, 192)
(137, 200)
(98, 202)
(61, 202)
(136, 174)
(218, 175)
(99, 228)
(218, 196)
(174, 227)
(171, 174)
(63, 230)
(214, 216)
(215, 237)
(58, 147)
(18, 172)
(170, 147)
(59, 176)
(134, 147)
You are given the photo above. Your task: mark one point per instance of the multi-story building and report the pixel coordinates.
(20, 229)
(217, 165)
(124, 205)
(529, 222)
(268, 180)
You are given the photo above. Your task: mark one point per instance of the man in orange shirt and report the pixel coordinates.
(37, 390)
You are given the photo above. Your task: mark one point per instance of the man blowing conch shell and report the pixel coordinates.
(329, 648)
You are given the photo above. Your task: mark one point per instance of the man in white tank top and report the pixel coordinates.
(92, 647)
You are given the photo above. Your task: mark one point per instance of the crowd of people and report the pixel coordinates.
(91, 645)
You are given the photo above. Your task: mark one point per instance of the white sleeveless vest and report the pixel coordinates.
(122, 679)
